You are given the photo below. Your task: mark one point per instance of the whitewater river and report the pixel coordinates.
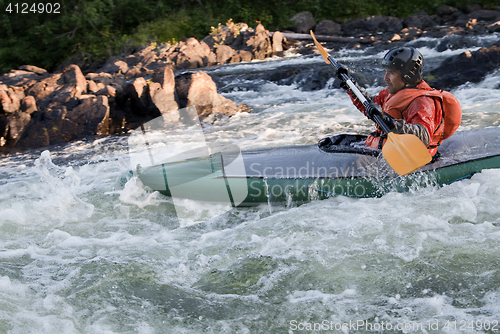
(81, 251)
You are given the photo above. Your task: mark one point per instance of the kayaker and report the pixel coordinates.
(409, 105)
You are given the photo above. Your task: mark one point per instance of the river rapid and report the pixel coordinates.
(81, 251)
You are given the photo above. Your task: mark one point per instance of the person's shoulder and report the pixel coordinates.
(424, 86)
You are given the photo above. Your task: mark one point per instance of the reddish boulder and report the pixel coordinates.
(278, 40)
(223, 53)
(198, 89)
(259, 43)
(28, 105)
(33, 69)
(162, 90)
(10, 98)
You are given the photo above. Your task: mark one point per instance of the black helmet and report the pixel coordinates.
(408, 61)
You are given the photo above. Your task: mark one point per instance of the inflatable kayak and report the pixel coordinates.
(337, 165)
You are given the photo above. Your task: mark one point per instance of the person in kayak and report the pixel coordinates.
(409, 105)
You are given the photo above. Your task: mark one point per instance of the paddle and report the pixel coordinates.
(404, 152)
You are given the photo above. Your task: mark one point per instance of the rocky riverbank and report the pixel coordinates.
(39, 108)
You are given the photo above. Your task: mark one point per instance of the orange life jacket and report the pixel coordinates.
(450, 112)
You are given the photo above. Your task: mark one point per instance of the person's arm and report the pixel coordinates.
(401, 127)
(418, 119)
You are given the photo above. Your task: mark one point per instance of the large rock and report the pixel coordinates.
(4, 129)
(465, 67)
(73, 77)
(192, 54)
(36, 136)
(137, 93)
(223, 53)
(241, 56)
(328, 27)
(20, 78)
(162, 90)
(17, 124)
(59, 88)
(495, 27)
(230, 34)
(353, 27)
(485, 15)
(28, 105)
(199, 90)
(44, 88)
(448, 14)
(421, 21)
(114, 65)
(303, 22)
(278, 40)
(383, 24)
(10, 98)
(259, 43)
(117, 81)
(92, 115)
(33, 69)
(57, 127)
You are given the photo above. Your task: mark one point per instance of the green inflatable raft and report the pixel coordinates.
(337, 165)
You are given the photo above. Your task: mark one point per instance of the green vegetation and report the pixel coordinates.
(94, 30)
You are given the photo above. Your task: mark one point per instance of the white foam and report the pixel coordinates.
(134, 193)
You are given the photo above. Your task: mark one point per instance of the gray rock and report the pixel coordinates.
(303, 22)
(485, 15)
(383, 24)
(353, 27)
(465, 67)
(446, 11)
(36, 136)
(137, 91)
(17, 124)
(421, 21)
(92, 115)
(328, 27)
(495, 27)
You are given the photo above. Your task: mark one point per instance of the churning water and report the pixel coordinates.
(80, 252)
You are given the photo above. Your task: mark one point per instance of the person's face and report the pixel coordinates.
(393, 80)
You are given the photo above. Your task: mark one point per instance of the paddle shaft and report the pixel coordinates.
(358, 94)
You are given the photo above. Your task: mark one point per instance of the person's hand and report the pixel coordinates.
(375, 109)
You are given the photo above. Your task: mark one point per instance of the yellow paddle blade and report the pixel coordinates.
(405, 153)
(320, 48)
